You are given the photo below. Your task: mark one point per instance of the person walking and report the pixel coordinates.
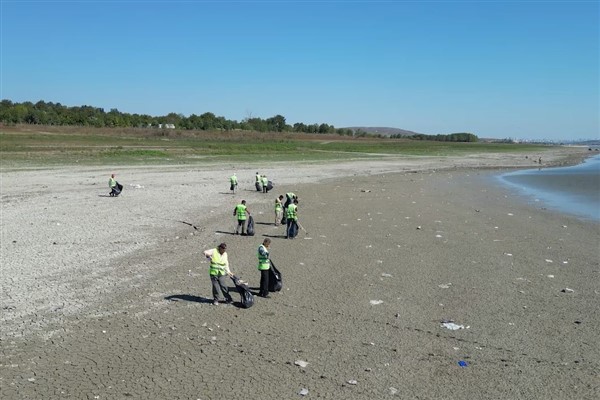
(264, 264)
(234, 182)
(292, 218)
(218, 271)
(241, 212)
(278, 209)
(289, 199)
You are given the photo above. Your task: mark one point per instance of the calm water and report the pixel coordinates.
(573, 190)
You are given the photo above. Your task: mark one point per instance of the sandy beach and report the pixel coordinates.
(109, 298)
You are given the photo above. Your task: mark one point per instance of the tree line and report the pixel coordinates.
(49, 113)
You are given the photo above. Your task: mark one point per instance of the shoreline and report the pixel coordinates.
(126, 308)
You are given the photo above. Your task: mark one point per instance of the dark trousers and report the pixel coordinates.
(264, 282)
(219, 287)
(288, 231)
(242, 223)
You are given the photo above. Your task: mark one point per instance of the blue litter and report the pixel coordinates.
(463, 363)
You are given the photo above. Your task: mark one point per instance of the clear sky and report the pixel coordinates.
(519, 69)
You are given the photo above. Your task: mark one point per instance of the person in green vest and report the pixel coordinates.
(241, 212)
(234, 182)
(114, 186)
(265, 182)
(278, 210)
(264, 264)
(292, 220)
(219, 271)
(258, 183)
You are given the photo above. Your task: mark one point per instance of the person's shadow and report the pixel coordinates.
(189, 297)
(201, 300)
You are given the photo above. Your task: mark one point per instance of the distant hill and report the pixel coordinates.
(386, 131)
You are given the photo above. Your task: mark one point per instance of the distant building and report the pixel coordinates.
(166, 126)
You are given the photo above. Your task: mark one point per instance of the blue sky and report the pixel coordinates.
(520, 69)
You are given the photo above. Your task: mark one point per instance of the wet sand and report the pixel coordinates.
(93, 308)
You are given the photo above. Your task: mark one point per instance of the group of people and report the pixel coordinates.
(262, 183)
(219, 271)
(285, 214)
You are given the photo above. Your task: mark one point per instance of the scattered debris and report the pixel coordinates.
(463, 363)
(365, 190)
(549, 261)
(452, 326)
(375, 302)
(445, 285)
(393, 390)
(550, 276)
(567, 290)
(352, 382)
(301, 363)
(303, 392)
(386, 275)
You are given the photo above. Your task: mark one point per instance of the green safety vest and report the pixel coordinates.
(112, 182)
(258, 178)
(263, 261)
(233, 180)
(277, 205)
(217, 264)
(292, 213)
(265, 181)
(290, 195)
(240, 211)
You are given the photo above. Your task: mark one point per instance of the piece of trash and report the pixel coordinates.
(300, 363)
(365, 190)
(303, 392)
(510, 214)
(393, 390)
(386, 275)
(445, 285)
(550, 276)
(452, 326)
(463, 364)
(549, 261)
(565, 262)
(352, 382)
(508, 254)
(419, 227)
(438, 236)
(567, 290)
(375, 302)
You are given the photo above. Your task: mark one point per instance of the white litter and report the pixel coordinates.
(386, 275)
(301, 363)
(452, 326)
(550, 276)
(352, 382)
(393, 391)
(445, 285)
(303, 392)
(549, 261)
(567, 290)
(508, 254)
(375, 302)
(438, 236)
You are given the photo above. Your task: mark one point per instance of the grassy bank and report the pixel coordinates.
(35, 146)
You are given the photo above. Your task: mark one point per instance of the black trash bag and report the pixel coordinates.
(293, 231)
(250, 227)
(246, 296)
(231, 187)
(275, 281)
(269, 186)
(258, 186)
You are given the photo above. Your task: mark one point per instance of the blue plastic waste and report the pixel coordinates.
(462, 363)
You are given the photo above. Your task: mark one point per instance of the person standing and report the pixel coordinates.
(278, 209)
(241, 212)
(234, 182)
(218, 271)
(289, 199)
(292, 218)
(264, 265)
(265, 183)
(258, 183)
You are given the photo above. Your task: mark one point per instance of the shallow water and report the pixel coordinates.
(573, 190)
